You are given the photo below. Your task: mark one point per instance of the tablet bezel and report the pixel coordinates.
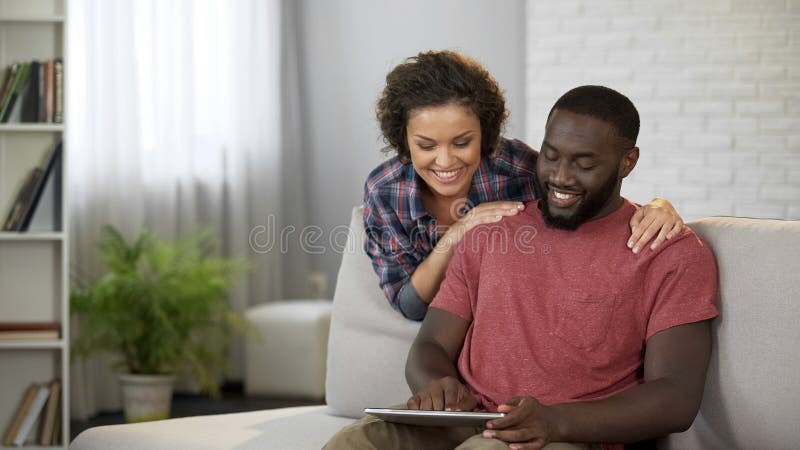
(434, 418)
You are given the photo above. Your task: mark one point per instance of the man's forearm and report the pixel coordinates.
(646, 411)
(427, 362)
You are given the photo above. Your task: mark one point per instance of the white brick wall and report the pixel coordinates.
(716, 82)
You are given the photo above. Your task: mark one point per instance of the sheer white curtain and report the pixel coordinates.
(174, 122)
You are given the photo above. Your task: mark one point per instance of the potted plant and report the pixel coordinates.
(162, 308)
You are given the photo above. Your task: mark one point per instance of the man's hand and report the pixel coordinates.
(528, 424)
(446, 393)
(656, 219)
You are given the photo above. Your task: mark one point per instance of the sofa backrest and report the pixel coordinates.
(752, 395)
(751, 400)
(368, 340)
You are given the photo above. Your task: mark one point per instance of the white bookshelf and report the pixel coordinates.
(31, 127)
(33, 265)
(32, 236)
(44, 18)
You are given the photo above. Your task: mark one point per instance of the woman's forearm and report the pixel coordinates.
(429, 275)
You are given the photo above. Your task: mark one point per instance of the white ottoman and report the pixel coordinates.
(287, 358)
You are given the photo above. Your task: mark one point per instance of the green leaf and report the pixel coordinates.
(162, 306)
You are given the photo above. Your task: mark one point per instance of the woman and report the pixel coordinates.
(442, 114)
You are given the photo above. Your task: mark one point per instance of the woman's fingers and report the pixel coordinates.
(662, 236)
(643, 232)
(636, 227)
(675, 229)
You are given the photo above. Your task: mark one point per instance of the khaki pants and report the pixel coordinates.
(373, 433)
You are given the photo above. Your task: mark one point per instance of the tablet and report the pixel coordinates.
(434, 418)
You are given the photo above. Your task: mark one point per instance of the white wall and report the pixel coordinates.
(716, 82)
(346, 49)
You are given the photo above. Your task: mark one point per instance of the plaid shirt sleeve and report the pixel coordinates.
(394, 258)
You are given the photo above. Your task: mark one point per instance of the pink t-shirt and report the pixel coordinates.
(563, 316)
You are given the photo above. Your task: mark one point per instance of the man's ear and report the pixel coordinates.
(628, 162)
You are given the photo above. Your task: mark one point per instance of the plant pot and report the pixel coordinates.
(146, 397)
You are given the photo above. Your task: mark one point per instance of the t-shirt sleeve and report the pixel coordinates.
(458, 290)
(683, 283)
(393, 257)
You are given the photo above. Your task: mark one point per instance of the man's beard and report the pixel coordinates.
(589, 206)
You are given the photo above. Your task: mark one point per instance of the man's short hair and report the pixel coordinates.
(604, 104)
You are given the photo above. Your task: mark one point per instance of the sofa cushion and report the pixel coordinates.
(275, 429)
(286, 357)
(751, 397)
(369, 340)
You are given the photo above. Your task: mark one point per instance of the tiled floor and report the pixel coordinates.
(183, 405)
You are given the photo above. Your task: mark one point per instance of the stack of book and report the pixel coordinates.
(30, 191)
(39, 404)
(29, 331)
(35, 89)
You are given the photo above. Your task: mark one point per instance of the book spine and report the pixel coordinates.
(23, 200)
(15, 213)
(29, 326)
(11, 95)
(58, 112)
(49, 87)
(11, 72)
(33, 414)
(20, 83)
(41, 98)
(29, 95)
(36, 193)
(22, 412)
(51, 413)
(28, 335)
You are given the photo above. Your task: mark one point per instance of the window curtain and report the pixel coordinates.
(182, 114)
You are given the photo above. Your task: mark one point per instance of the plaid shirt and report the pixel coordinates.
(401, 233)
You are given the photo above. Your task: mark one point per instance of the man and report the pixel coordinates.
(574, 337)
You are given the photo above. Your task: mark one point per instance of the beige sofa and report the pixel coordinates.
(752, 397)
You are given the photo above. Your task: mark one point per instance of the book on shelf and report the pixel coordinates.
(22, 412)
(30, 192)
(56, 436)
(8, 79)
(40, 404)
(51, 416)
(30, 104)
(49, 71)
(29, 331)
(58, 90)
(17, 208)
(41, 94)
(33, 92)
(34, 411)
(15, 90)
(47, 172)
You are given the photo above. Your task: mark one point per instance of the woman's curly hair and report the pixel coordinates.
(437, 78)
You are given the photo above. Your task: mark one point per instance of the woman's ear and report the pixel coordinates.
(628, 161)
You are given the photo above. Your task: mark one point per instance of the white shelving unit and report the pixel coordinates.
(33, 265)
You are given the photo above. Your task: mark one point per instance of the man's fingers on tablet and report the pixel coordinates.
(438, 400)
(512, 418)
(413, 402)
(450, 396)
(425, 401)
(466, 400)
